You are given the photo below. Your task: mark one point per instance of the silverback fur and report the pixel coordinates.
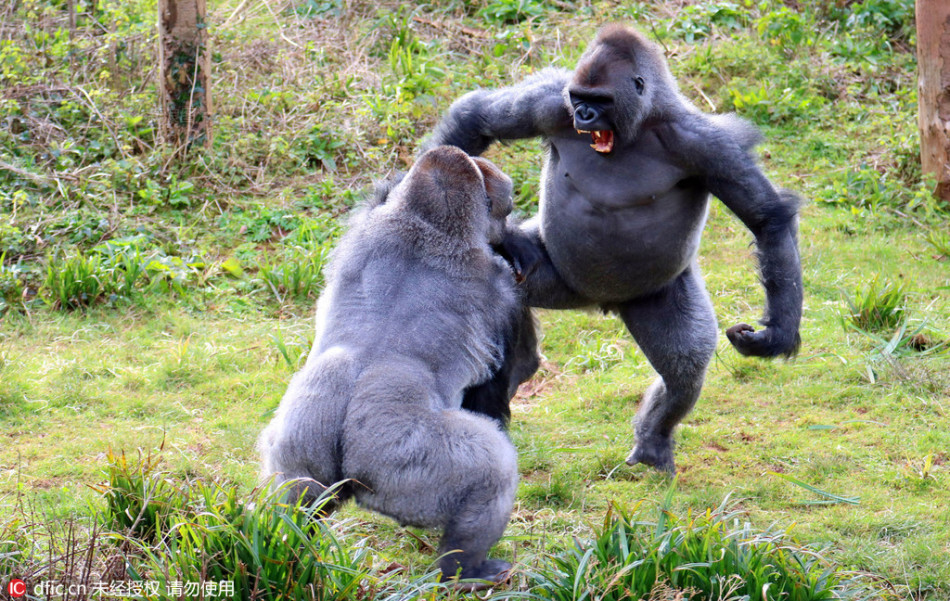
(415, 310)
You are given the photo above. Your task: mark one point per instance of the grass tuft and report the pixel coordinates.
(249, 546)
(878, 306)
(716, 555)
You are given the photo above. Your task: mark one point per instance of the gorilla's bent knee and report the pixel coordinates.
(377, 405)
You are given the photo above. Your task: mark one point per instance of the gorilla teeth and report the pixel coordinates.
(603, 140)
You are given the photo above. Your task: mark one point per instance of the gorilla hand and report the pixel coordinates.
(769, 342)
(521, 251)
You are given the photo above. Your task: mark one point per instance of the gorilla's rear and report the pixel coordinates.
(416, 309)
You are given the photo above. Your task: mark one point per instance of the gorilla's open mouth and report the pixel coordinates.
(603, 139)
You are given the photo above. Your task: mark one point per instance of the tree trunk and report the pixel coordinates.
(933, 92)
(183, 53)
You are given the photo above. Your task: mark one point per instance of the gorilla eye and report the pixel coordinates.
(638, 81)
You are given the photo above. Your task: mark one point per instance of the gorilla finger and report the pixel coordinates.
(523, 256)
(769, 342)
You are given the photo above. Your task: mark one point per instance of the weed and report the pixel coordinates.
(74, 282)
(297, 276)
(12, 285)
(877, 306)
(697, 21)
(175, 193)
(940, 241)
(597, 353)
(920, 471)
(557, 490)
(246, 546)
(765, 105)
(893, 17)
(171, 275)
(784, 27)
(864, 186)
(512, 11)
(827, 497)
(317, 148)
(139, 499)
(715, 555)
(294, 352)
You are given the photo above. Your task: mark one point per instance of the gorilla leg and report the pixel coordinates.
(299, 445)
(676, 330)
(434, 468)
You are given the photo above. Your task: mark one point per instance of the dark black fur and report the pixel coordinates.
(630, 166)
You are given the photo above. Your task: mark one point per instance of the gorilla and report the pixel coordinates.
(417, 308)
(624, 196)
(520, 348)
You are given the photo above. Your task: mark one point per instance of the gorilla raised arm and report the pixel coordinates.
(417, 308)
(624, 196)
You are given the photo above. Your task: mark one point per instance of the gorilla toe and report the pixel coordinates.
(491, 572)
(655, 454)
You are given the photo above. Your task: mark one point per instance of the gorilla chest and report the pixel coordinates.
(621, 225)
(635, 175)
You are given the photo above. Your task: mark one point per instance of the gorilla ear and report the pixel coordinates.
(498, 186)
(638, 82)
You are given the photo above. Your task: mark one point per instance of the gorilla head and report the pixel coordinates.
(436, 190)
(620, 82)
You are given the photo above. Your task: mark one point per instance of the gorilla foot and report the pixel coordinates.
(658, 454)
(491, 572)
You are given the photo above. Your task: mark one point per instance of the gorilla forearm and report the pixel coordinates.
(781, 274)
(533, 108)
(772, 217)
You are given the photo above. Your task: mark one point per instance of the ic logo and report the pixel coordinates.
(16, 588)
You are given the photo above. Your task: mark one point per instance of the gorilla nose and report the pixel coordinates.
(585, 114)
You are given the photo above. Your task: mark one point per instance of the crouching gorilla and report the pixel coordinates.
(417, 308)
(624, 196)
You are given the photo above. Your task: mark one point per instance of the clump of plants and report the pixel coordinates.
(878, 306)
(715, 555)
(253, 544)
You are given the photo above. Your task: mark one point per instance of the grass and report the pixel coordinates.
(150, 304)
(714, 555)
(877, 306)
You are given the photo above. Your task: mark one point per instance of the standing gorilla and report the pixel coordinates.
(624, 197)
(417, 308)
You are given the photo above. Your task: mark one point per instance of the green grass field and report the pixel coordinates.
(149, 306)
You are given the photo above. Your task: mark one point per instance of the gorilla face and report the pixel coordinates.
(592, 110)
(609, 95)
